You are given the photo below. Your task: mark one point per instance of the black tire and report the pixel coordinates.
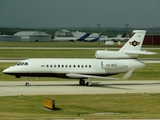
(27, 84)
(82, 82)
(87, 83)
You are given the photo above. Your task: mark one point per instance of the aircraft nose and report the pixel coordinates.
(5, 71)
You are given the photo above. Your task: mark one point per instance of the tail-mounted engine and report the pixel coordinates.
(113, 65)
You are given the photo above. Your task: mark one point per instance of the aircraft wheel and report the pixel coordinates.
(87, 84)
(27, 84)
(82, 82)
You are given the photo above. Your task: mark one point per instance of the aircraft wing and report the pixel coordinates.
(73, 75)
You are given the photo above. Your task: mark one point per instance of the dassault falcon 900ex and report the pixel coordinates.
(106, 63)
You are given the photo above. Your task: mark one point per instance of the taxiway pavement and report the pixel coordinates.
(12, 88)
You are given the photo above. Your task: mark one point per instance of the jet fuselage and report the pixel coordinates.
(49, 67)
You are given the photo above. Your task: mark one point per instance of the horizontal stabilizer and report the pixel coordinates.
(73, 75)
(139, 52)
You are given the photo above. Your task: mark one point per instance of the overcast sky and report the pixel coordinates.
(79, 13)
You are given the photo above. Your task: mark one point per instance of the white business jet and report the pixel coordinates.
(106, 63)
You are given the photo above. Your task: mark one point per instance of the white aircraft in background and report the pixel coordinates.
(106, 63)
(124, 37)
(103, 38)
(119, 37)
(113, 38)
(74, 38)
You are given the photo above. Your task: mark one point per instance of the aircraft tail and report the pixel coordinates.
(96, 39)
(130, 50)
(135, 42)
(133, 46)
(83, 37)
(118, 36)
(124, 35)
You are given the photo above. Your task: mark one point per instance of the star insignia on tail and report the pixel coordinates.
(134, 43)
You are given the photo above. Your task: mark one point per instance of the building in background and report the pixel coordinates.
(9, 38)
(152, 39)
(33, 36)
(63, 33)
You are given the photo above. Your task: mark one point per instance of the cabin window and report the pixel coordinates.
(19, 63)
(47, 66)
(22, 63)
(69, 66)
(26, 63)
(42, 65)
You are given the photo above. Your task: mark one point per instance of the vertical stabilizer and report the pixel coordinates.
(82, 38)
(130, 50)
(118, 36)
(135, 42)
(96, 39)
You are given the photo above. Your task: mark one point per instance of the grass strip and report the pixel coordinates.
(58, 53)
(106, 106)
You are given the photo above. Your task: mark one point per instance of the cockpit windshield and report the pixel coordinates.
(22, 64)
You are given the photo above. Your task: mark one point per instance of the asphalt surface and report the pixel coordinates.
(12, 88)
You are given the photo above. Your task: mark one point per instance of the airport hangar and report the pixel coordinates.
(33, 36)
(26, 36)
(10, 38)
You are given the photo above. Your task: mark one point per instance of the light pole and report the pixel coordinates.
(126, 24)
(99, 27)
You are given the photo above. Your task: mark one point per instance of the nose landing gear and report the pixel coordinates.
(27, 83)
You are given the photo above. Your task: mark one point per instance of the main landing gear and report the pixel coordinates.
(82, 82)
(27, 83)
